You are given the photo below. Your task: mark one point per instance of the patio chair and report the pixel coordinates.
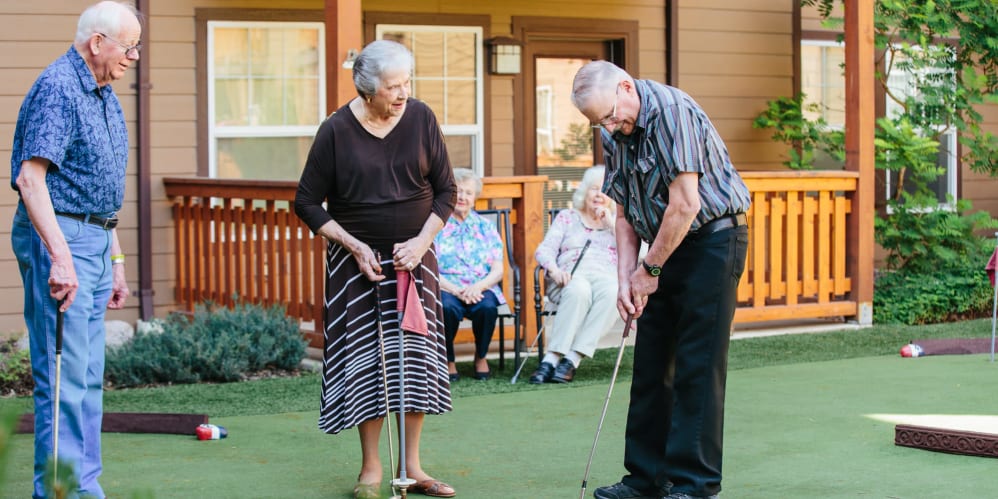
(500, 217)
(543, 307)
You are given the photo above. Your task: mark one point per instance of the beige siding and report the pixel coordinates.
(733, 57)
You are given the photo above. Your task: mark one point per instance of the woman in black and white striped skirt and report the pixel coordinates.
(380, 165)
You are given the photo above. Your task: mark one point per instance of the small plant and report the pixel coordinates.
(216, 344)
(957, 293)
(15, 369)
(805, 137)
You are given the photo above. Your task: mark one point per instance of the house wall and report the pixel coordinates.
(733, 58)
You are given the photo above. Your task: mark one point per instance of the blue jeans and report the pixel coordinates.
(82, 370)
(675, 421)
(483, 315)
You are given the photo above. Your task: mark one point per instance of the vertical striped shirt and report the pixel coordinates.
(672, 135)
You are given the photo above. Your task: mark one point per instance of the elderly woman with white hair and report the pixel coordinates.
(586, 299)
(380, 165)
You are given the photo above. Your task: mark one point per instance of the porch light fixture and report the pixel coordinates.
(351, 57)
(504, 55)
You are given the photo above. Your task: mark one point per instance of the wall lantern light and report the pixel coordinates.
(351, 57)
(504, 55)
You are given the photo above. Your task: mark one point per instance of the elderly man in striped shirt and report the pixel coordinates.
(676, 190)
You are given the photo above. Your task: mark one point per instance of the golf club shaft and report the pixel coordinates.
(58, 378)
(530, 350)
(994, 307)
(606, 403)
(401, 293)
(384, 371)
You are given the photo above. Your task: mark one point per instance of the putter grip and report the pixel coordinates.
(58, 327)
(401, 287)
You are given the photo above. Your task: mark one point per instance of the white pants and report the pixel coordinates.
(586, 311)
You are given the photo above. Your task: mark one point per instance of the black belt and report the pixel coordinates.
(720, 223)
(105, 223)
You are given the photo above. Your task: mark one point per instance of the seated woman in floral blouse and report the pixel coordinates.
(470, 256)
(587, 299)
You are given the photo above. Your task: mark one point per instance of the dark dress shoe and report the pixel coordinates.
(483, 375)
(454, 377)
(564, 372)
(542, 374)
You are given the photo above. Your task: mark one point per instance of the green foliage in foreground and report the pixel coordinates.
(216, 344)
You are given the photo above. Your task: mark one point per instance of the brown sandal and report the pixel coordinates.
(433, 488)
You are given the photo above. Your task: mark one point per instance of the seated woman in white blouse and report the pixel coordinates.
(587, 299)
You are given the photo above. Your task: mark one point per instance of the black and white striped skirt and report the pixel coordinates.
(353, 388)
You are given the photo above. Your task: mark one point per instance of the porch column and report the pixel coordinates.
(343, 33)
(860, 125)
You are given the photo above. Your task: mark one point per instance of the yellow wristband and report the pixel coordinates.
(116, 259)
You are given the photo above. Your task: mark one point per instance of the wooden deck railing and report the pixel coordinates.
(796, 266)
(240, 237)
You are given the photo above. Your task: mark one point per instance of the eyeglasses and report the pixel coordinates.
(610, 119)
(127, 48)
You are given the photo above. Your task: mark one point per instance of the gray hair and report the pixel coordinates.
(103, 17)
(593, 79)
(377, 58)
(589, 179)
(462, 175)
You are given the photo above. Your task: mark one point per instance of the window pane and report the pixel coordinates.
(267, 108)
(230, 52)
(230, 103)
(461, 55)
(460, 103)
(823, 82)
(460, 149)
(267, 158)
(301, 100)
(428, 49)
(432, 93)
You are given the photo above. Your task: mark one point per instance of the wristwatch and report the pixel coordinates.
(654, 270)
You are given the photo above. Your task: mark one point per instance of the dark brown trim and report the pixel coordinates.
(144, 167)
(620, 36)
(373, 19)
(796, 38)
(672, 42)
(201, 18)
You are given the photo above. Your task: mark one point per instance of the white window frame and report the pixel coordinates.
(477, 130)
(227, 132)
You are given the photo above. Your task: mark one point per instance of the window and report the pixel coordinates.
(903, 84)
(824, 87)
(823, 83)
(448, 76)
(266, 97)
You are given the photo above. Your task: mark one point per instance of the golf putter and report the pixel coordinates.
(384, 370)
(606, 403)
(55, 403)
(537, 337)
(403, 482)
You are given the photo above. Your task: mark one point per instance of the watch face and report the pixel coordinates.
(654, 270)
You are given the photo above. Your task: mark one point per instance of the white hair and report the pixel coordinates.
(594, 79)
(103, 17)
(377, 58)
(589, 179)
(462, 175)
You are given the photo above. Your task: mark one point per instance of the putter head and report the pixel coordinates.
(403, 483)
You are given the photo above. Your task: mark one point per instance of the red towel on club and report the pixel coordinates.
(990, 267)
(414, 318)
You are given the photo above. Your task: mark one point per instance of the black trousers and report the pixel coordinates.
(675, 421)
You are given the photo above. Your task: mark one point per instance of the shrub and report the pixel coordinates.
(215, 344)
(15, 369)
(959, 292)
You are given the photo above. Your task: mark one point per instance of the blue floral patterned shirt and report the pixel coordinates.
(80, 128)
(467, 250)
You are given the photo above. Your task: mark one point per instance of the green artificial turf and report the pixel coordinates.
(798, 426)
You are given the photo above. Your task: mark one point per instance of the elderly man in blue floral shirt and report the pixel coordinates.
(68, 166)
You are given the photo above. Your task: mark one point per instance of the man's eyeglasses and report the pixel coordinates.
(127, 48)
(610, 119)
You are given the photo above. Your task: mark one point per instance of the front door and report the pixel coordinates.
(563, 144)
